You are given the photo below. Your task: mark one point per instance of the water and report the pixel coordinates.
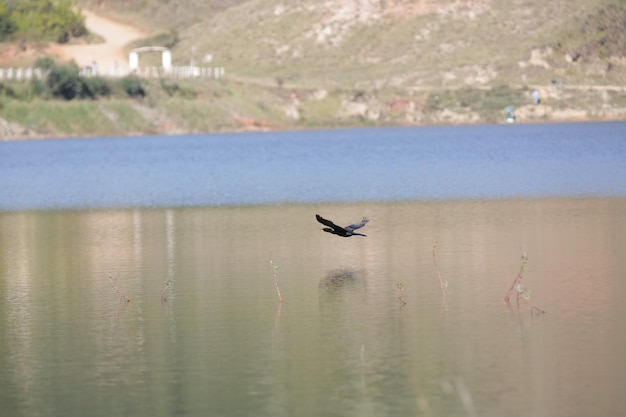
(497, 161)
(216, 341)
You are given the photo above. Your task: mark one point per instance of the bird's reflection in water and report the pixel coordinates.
(337, 279)
(343, 302)
(343, 298)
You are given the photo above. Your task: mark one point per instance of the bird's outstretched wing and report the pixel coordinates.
(355, 226)
(328, 223)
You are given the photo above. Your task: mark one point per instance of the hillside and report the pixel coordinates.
(336, 63)
(401, 43)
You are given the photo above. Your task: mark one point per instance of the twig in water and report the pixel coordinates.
(536, 310)
(275, 273)
(517, 283)
(164, 290)
(442, 282)
(520, 289)
(117, 290)
(399, 294)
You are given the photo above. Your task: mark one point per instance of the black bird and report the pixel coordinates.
(341, 231)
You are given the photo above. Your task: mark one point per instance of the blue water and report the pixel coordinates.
(386, 164)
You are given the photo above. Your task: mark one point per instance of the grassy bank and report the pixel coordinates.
(174, 107)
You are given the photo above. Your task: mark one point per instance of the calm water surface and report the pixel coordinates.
(216, 341)
(498, 161)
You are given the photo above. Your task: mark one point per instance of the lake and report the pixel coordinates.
(429, 163)
(198, 232)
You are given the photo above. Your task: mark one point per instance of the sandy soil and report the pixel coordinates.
(107, 55)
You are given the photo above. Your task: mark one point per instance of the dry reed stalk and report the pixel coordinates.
(399, 293)
(442, 282)
(521, 290)
(117, 290)
(164, 290)
(275, 273)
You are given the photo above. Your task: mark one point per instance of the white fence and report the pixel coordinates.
(21, 74)
(181, 72)
(24, 74)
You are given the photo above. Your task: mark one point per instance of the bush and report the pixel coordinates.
(7, 25)
(98, 86)
(132, 86)
(45, 63)
(175, 89)
(7, 91)
(65, 82)
(39, 88)
(57, 20)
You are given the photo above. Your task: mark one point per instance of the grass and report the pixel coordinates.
(199, 116)
(75, 118)
(226, 106)
(50, 117)
(489, 103)
(320, 111)
(125, 117)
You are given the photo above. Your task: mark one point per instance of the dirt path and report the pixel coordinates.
(107, 55)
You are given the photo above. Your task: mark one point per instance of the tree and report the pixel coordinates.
(57, 20)
(64, 81)
(7, 25)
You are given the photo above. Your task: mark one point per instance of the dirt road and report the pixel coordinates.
(107, 55)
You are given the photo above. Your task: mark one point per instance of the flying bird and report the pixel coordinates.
(341, 231)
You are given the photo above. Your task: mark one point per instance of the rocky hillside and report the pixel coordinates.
(394, 43)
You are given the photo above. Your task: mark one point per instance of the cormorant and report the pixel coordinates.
(341, 231)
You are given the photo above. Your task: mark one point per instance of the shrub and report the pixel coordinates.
(65, 82)
(45, 63)
(7, 91)
(98, 86)
(7, 25)
(132, 86)
(175, 89)
(39, 88)
(46, 19)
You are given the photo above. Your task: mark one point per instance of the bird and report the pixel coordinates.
(342, 231)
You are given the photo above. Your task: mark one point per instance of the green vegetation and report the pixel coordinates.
(132, 86)
(177, 106)
(65, 82)
(41, 20)
(163, 13)
(601, 33)
(7, 24)
(489, 103)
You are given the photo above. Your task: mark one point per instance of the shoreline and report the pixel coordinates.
(42, 137)
(175, 106)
